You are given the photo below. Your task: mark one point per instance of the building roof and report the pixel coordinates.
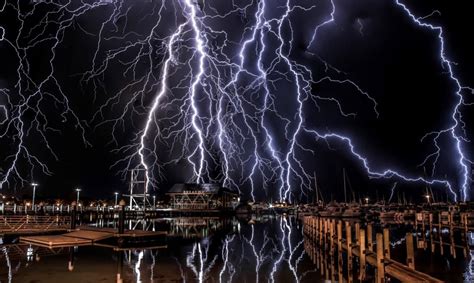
(208, 188)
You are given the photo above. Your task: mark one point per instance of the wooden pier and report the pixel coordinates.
(324, 241)
(24, 224)
(433, 227)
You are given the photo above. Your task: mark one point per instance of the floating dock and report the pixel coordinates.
(89, 236)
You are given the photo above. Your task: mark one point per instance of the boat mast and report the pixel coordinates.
(344, 179)
(432, 195)
(316, 187)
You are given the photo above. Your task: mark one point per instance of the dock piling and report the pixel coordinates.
(380, 260)
(410, 251)
(386, 243)
(121, 224)
(73, 216)
(362, 254)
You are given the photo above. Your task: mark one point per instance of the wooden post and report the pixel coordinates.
(318, 266)
(466, 249)
(320, 232)
(309, 225)
(121, 224)
(331, 235)
(453, 244)
(326, 268)
(325, 233)
(328, 230)
(339, 249)
(339, 273)
(316, 227)
(451, 234)
(339, 236)
(380, 259)
(465, 224)
(362, 254)
(357, 229)
(410, 251)
(386, 243)
(440, 235)
(333, 279)
(321, 261)
(431, 221)
(370, 245)
(306, 225)
(313, 227)
(423, 224)
(431, 234)
(73, 217)
(349, 247)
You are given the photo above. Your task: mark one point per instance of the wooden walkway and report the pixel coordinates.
(21, 224)
(86, 236)
(324, 237)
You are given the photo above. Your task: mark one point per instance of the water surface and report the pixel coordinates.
(269, 249)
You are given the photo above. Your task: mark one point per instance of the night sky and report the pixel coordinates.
(82, 78)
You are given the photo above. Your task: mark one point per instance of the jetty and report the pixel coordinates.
(328, 241)
(33, 224)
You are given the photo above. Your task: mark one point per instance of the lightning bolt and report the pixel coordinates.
(7, 259)
(32, 94)
(328, 21)
(259, 254)
(196, 81)
(197, 93)
(392, 191)
(156, 102)
(361, 27)
(225, 257)
(456, 115)
(204, 263)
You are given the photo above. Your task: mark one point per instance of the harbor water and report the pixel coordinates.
(199, 249)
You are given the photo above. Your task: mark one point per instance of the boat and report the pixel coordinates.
(353, 211)
(332, 211)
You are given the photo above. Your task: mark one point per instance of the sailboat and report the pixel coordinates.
(353, 209)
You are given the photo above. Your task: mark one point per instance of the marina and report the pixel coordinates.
(340, 243)
(315, 247)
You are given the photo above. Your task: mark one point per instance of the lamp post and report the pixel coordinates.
(154, 202)
(116, 198)
(78, 192)
(427, 198)
(367, 201)
(34, 195)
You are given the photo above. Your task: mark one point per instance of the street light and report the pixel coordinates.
(34, 195)
(427, 198)
(116, 198)
(154, 202)
(366, 200)
(78, 192)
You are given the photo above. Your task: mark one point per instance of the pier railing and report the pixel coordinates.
(326, 240)
(33, 223)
